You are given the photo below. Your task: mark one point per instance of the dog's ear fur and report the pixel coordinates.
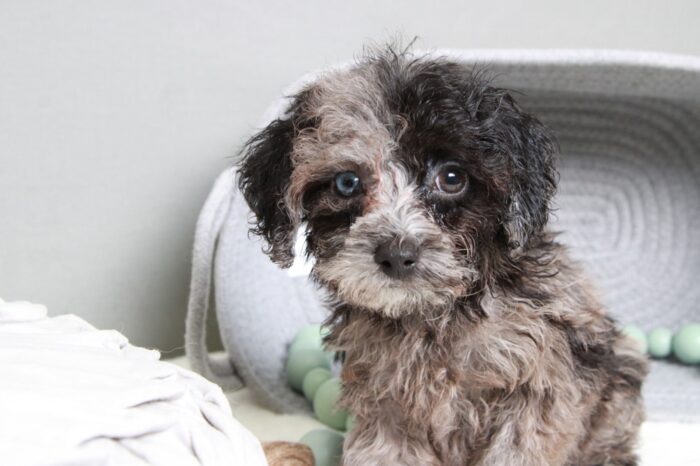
(533, 164)
(264, 174)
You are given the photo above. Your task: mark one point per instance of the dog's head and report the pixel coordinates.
(411, 175)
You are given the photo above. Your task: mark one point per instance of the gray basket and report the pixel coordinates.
(628, 205)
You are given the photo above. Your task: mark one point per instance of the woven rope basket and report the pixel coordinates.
(628, 206)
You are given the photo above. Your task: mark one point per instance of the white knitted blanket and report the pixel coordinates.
(74, 395)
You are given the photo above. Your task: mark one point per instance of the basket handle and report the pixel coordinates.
(209, 224)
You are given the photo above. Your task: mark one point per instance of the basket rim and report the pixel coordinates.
(580, 57)
(592, 71)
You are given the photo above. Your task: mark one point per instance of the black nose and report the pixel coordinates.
(397, 258)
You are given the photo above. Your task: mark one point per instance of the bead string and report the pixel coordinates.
(309, 372)
(661, 342)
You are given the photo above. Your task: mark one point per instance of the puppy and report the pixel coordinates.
(470, 337)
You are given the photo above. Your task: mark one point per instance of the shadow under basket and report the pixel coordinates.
(628, 206)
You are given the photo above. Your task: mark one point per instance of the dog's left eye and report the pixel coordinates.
(347, 183)
(451, 180)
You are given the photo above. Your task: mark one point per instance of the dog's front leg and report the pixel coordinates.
(533, 436)
(378, 442)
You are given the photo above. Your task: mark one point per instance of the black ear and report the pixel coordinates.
(264, 174)
(533, 156)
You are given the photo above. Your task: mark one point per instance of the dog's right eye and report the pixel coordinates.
(450, 180)
(347, 183)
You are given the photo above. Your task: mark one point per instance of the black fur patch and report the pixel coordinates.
(264, 174)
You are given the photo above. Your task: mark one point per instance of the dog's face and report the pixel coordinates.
(414, 178)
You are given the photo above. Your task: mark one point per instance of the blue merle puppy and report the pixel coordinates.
(470, 337)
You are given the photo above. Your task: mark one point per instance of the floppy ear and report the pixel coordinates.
(533, 156)
(264, 174)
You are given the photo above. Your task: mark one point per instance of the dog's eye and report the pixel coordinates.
(451, 180)
(347, 183)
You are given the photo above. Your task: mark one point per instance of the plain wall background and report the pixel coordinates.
(116, 116)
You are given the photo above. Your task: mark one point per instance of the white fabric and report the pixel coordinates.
(74, 395)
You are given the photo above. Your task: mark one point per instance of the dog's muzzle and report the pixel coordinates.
(398, 258)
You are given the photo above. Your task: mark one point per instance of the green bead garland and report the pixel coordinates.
(308, 371)
(325, 401)
(313, 380)
(637, 334)
(686, 344)
(326, 445)
(301, 361)
(660, 343)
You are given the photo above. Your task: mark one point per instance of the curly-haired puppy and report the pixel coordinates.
(470, 337)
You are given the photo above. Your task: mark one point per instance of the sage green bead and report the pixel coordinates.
(301, 361)
(686, 344)
(314, 379)
(325, 402)
(326, 445)
(638, 336)
(659, 341)
(309, 337)
(350, 423)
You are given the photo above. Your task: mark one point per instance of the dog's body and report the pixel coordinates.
(469, 336)
(549, 384)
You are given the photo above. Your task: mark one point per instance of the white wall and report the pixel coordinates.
(115, 116)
